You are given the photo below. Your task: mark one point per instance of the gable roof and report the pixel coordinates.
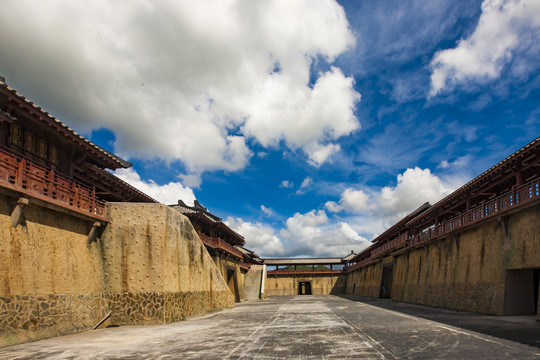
(100, 156)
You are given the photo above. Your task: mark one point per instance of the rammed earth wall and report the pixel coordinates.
(287, 285)
(148, 267)
(487, 268)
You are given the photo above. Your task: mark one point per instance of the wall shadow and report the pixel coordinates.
(522, 329)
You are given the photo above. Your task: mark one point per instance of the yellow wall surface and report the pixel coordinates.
(153, 251)
(286, 285)
(148, 266)
(466, 270)
(50, 277)
(226, 262)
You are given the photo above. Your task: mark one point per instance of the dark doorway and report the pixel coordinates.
(304, 288)
(521, 292)
(232, 283)
(386, 281)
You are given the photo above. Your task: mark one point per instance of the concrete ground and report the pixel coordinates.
(302, 327)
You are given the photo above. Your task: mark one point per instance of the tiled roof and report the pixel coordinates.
(113, 160)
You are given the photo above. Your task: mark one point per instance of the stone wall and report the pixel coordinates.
(466, 271)
(287, 285)
(148, 267)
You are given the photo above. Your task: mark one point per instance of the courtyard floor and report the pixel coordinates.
(305, 327)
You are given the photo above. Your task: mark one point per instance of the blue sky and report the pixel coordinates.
(309, 126)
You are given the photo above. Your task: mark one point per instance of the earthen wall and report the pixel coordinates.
(287, 285)
(465, 270)
(147, 267)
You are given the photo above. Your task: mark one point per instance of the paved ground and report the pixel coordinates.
(300, 327)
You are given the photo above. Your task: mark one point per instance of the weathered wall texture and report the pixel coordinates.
(466, 271)
(155, 262)
(364, 282)
(148, 267)
(224, 264)
(50, 278)
(282, 285)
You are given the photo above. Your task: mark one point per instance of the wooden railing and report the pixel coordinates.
(26, 177)
(304, 272)
(217, 243)
(516, 197)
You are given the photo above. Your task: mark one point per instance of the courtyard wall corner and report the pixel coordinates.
(147, 266)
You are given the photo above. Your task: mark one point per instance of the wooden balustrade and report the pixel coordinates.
(24, 176)
(217, 243)
(304, 272)
(517, 196)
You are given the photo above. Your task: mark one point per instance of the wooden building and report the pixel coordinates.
(477, 249)
(306, 276)
(45, 162)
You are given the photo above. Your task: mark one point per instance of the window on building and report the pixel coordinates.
(15, 136)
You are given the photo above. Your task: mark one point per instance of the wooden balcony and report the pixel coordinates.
(41, 183)
(219, 244)
(304, 272)
(516, 198)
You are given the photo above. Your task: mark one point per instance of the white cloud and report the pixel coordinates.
(364, 212)
(286, 184)
(259, 238)
(444, 164)
(504, 29)
(312, 234)
(304, 186)
(319, 154)
(348, 231)
(351, 200)
(187, 80)
(458, 164)
(382, 208)
(266, 211)
(167, 194)
(414, 187)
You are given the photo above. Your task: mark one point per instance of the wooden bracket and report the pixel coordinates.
(93, 232)
(17, 213)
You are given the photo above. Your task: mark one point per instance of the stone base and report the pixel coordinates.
(33, 317)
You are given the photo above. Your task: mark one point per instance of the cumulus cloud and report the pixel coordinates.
(184, 80)
(414, 187)
(505, 28)
(167, 194)
(362, 212)
(377, 209)
(259, 238)
(312, 234)
(351, 200)
(319, 154)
